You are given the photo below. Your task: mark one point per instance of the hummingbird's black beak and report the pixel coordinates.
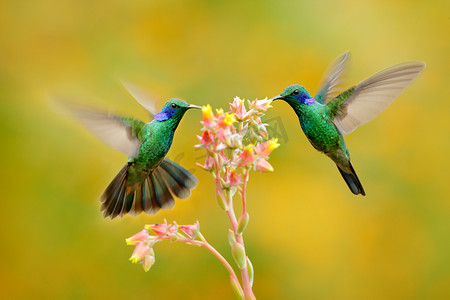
(194, 106)
(279, 97)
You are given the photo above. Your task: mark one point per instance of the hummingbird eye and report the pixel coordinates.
(174, 106)
(296, 92)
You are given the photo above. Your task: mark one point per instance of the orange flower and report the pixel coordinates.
(229, 119)
(224, 119)
(235, 179)
(247, 157)
(208, 117)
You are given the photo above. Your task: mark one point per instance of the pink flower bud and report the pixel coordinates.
(162, 230)
(209, 164)
(207, 138)
(141, 250)
(224, 135)
(263, 165)
(251, 272)
(261, 105)
(148, 261)
(223, 205)
(140, 237)
(264, 149)
(231, 238)
(263, 133)
(236, 102)
(242, 223)
(238, 253)
(239, 109)
(191, 230)
(234, 178)
(159, 229)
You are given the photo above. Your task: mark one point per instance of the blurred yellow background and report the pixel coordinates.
(308, 236)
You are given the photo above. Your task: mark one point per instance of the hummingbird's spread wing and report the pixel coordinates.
(143, 97)
(361, 103)
(117, 132)
(332, 80)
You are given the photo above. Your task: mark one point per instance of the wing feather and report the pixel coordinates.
(117, 132)
(332, 80)
(143, 97)
(373, 95)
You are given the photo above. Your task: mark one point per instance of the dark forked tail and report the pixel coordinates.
(352, 181)
(155, 192)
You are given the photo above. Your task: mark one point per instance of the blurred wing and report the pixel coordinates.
(142, 96)
(117, 132)
(332, 80)
(373, 95)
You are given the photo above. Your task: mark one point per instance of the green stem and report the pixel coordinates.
(219, 190)
(221, 258)
(204, 243)
(248, 292)
(244, 191)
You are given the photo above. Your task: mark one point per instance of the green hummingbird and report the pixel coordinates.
(148, 181)
(331, 113)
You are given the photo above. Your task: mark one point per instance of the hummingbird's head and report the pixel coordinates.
(295, 93)
(174, 108)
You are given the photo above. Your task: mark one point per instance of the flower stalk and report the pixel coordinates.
(235, 143)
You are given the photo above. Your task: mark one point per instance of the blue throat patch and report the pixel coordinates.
(164, 115)
(305, 98)
(161, 117)
(309, 101)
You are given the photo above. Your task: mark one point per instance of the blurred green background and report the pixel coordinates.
(308, 237)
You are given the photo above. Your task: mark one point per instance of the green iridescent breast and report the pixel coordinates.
(319, 129)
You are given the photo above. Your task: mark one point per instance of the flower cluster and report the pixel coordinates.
(144, 241)
(235, 142)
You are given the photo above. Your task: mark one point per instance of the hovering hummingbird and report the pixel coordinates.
(330, 114)
(148, 181)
